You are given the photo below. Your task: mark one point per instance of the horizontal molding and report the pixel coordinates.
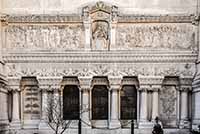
(122, 18)
(181, 18)
(100, 57)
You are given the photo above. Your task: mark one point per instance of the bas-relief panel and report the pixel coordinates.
(156, 36)
(31, 103)
(168, 106)
(64, 37)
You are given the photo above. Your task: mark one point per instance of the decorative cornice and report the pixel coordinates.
(78, 18)
(99, 57)
(34, 19)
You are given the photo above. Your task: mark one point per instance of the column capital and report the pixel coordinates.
(155, 89)
(114, 88)
(151, 80)
(185, 88)
(85, 83)
(85, 89)
(143, 89)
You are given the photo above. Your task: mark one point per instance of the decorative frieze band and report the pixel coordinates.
(96, 57)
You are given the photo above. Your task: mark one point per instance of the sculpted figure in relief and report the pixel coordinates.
(180, 37)
(100, 36)
(45, 37)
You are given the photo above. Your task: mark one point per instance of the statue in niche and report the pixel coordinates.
(100, 36)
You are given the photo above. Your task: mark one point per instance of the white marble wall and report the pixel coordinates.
(126, 6)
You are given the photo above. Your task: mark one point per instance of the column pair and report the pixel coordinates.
(144, 109)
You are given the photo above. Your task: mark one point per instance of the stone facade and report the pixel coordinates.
(158, 54)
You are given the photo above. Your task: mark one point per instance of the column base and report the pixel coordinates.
(15, 124)
(31, 124)
(184, 124)
(43, 125)
(115, 124)
(86, 124)
(145, 124)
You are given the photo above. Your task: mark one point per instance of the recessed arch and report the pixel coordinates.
(128, 98)
(71, 102)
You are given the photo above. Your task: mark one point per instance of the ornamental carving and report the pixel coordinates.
(63, 37)
(168, 105)
(45, 70)
(156, 36)
(31, 102)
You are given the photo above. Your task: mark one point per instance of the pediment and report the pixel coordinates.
(100, 11)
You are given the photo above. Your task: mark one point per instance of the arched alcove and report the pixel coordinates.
(71, 102)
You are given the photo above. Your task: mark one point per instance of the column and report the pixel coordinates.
(184, 123)
(143, 105)
(44, 118)
(85, 111)
(155, 103)
(114, 122)
(15, 110)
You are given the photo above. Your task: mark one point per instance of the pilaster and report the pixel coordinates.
(196, 80)
(114, 101)
(87, 26)
(4, 122)
(113, 25)
(85, 83)
(16, 123)
(184, 116)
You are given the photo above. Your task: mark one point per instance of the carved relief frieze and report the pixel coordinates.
(41, 37)
(58, 70)
(155, 36)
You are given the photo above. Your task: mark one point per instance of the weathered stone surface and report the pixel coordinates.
(155, 36)
(127, 6)
(64, 37)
